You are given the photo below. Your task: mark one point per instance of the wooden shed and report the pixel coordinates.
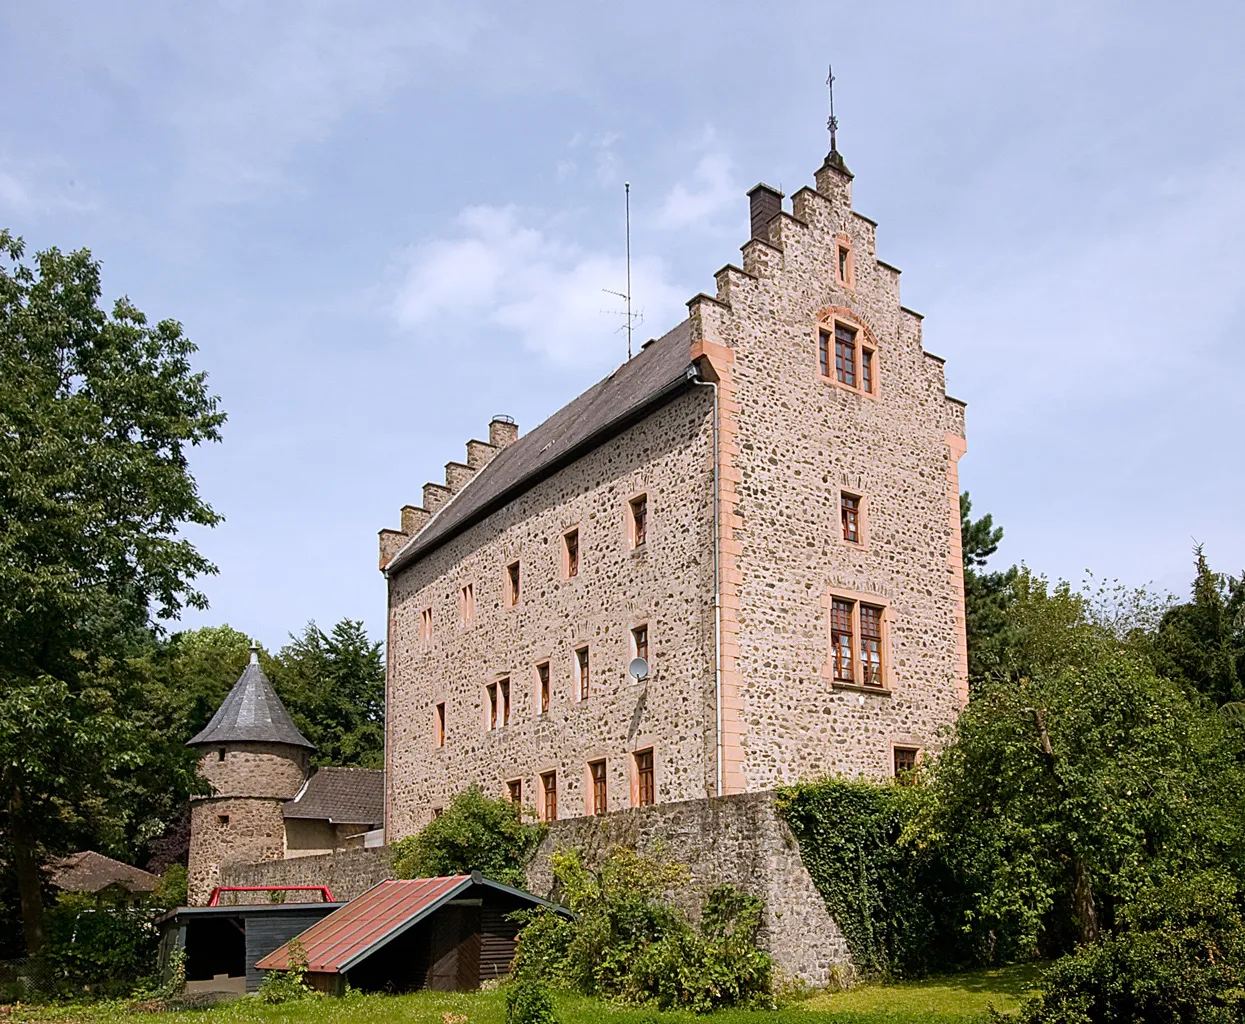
(448, 934)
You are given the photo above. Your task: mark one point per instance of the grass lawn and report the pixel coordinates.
(958, 999)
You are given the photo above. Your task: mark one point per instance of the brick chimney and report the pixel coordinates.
(502, 432)
(766, 204)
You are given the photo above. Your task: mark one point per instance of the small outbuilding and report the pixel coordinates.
(448, 934)
(92, 872)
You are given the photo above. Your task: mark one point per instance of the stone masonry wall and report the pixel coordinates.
(348, 873)
(254, 832)
(802, 439)
(666, 584)
(740, 840)
(255, 769)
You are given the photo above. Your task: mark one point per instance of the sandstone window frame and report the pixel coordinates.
(640, 640)
(547, 795)
(544, 686)
(438, 724)
(638, 521)
(497, 710)
(900, 752)
(861, 543)
(425, 626)
(596, 786)
(581, 671)
(644, 776)
(512, 584)
(571, 553)
(831, 667)
(844, 261)
(467, 604)
(864, 357)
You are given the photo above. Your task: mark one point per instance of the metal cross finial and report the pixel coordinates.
(833, 122)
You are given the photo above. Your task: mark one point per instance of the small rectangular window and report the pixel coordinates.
(905, 763)
(542, 678)
(425, 625)
(222, 819)
(845, 355)
(549, 794)
(639, 521)
(583, 672)
(841, 640)
(600, 794)
(570, 554)
(639, 642)
(503, 697)
(220, 754)
(512, 584)
(849, 509)
(645, 793)
(438, 725)
(437, 812)
(823, 352)
(514, 791)
(492, 721)
(866, 370)
(871, 644)
(843, 254)
(467, 604)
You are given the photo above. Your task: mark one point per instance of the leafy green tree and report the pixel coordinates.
(986, 594)
(1202, 643)
(334, 688)
(1078, 776)
(97, 412)
(476, 833)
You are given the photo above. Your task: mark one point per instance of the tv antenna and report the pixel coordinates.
(631, 320)
(833, 123)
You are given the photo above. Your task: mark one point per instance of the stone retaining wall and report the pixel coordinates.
(348, 873)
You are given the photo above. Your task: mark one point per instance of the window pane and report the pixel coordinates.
(841, 640)
(542, 671)
(644, 777)
(845, 354)
(866, 370)
(582, 660)
(871, 644)
(850, 509)
(824, 353)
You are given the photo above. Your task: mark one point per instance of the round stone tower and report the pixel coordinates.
(256, 759)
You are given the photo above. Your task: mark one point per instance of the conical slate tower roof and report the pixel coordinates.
(252, 713)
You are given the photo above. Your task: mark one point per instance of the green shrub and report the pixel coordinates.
(529, 1002)
(99, 945)
(1180, 960)
(628, 941)
(476, 833)
(171, 889)
(288, 985)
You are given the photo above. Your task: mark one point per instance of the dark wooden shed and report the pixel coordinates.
(448, 934)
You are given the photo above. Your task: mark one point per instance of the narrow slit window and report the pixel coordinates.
(600, 794)
(512, 584)
(514, 791)
(845, 355)
(542, 679)
(823, 352)
(439, 725)
(843, 257)
(467, 604)
(841, 640)
(583, 672)
(871, 644)
(849, 508)
(866, 370)
(220, 754)
(639, 642)
(570, 542)
(639, 521)
(493, 714)
(503, 698)
(645, 793)
(425, 625)
(549, 791)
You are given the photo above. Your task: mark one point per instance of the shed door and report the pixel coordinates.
(455, 950)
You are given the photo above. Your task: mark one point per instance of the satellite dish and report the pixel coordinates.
(638, 669)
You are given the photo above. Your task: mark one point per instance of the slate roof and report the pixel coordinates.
(346, 796)
(659, 371)
(344, 938)
(252, 713)
(89, 871)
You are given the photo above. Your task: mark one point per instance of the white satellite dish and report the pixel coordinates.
(638, 669)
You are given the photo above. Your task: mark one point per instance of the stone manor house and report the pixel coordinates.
(763, 504)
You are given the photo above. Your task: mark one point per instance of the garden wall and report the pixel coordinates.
(347, 872)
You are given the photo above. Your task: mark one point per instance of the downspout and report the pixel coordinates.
(717, 588)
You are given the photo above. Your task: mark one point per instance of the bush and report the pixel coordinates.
(97, 945)
(529, 1002)
(288, 985)
(628, 941)
(1181, 960)
(171, 889)
(476, 833)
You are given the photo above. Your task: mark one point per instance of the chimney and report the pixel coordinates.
(766, 205)
(502, 432)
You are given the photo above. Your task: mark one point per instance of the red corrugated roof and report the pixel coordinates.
(334, 941)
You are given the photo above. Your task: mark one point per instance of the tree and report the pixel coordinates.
(334, 688)
(97, 411)
(986, 594)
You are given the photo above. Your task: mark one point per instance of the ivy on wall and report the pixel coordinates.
(895, 900)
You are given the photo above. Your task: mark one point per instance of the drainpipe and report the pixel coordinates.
(717, 586)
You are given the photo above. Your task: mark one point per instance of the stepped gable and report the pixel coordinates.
(341, 796)
(252, 713)
(657, 372)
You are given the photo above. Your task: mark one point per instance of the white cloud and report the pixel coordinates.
(535, 284)
(711, 191)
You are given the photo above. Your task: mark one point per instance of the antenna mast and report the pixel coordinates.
(627, 188)
(833, 123)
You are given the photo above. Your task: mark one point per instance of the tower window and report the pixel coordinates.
(222, 819)
(583, 672)
(220, 754)
(871, 645)
(849, 512)
(841, 640)
(512, 584)
(645, 790)
(498, 695)
(845, 355)
(866, 370)
(639, 642)
(542, 682)
(600, 794)
(858, 643)
(438, 725)
(639, 521)
(823, 352)
(425, 625)
(570, 554)
(843, 255)
(467, 604)
(549, 796)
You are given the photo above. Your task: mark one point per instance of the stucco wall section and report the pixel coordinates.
(667, 584)
(739, 839)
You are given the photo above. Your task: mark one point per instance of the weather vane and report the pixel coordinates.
(833, 122)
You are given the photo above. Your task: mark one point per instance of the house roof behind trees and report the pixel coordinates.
(342, 796)
(89, 871)
(252, 713)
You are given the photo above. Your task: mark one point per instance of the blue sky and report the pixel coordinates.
(383, 223)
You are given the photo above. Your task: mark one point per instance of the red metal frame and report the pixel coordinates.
(323, 890)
